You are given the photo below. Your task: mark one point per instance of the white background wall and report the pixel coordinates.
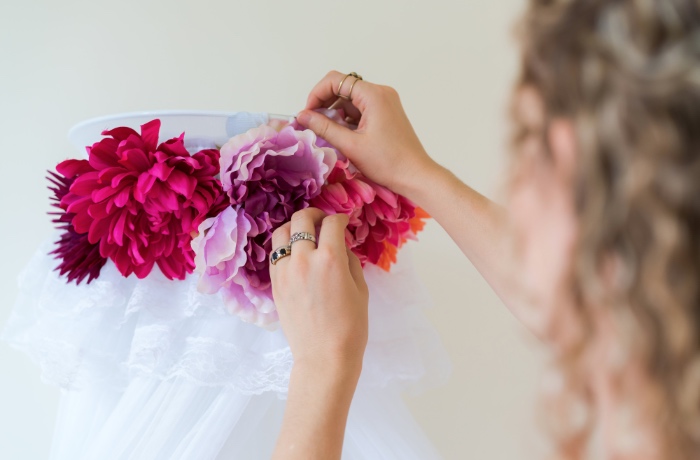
(451, 61)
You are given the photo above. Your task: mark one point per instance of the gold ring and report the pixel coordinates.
(351, 74)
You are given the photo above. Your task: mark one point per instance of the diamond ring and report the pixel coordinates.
(301, 236)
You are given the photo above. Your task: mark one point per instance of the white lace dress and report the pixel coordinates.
(152, 369)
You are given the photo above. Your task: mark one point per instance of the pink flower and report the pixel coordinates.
(268, 175)
(380, 220)
(79, 257)
(141, 201)
(221, 256)
(220, 248)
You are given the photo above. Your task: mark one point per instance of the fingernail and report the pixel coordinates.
(303, 118)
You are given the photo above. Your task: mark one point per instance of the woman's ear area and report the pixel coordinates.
(563, 147)
(528, 108)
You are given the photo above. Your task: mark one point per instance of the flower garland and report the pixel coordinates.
(140, 204)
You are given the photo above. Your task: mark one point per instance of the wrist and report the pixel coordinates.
(337, 373)
(318, 404)
(420, 183)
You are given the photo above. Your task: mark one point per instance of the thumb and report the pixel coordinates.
(335, 134)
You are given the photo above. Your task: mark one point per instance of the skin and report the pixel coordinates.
(322, 300)
(314, 287)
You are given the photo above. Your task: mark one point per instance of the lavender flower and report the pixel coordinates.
(268, 175)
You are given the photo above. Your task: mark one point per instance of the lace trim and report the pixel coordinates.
(117, 328)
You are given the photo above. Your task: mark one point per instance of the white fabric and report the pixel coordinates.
(214, 128)
(152, 369)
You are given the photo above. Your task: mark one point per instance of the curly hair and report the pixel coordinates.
(626, 73)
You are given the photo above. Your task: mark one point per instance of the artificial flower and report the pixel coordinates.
(267, 175)
(141, 201)
(79, 257)
(220, 249)
(381, 221)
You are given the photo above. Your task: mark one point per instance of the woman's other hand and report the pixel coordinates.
(384, 147)
(321, 294)
(322, 299)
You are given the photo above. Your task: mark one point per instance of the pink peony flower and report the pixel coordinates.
(141, 201)
(268, 175)
(79, 257)
(220, 248)
(380, 220)
(221, 256)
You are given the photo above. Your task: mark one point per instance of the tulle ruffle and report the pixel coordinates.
(176, 419)
(116, 329)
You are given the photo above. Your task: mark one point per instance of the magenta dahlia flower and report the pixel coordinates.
(380, 220)
(141, 201)
(79, 258)
(267, 175)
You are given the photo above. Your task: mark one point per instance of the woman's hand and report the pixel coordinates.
(322, 298)
(384, 147)
(321, 294)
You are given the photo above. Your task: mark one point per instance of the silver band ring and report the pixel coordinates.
(280, 253)
(302, 236)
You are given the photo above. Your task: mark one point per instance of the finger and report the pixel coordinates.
(306, 220)
(324, 93)
(350, 110)
(356, 268)
(332, 234)
(338, 136)
(280, 237)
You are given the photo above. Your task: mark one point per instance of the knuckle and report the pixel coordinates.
(316, 213)
(389, 91)
(352, 142)
(370, 87)
(325, 257)
(340, 218)
(323, 128)
(281, 287)
(301, 266)
(276, 233)
(279, 231)
(301, 214)
(310, 213)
